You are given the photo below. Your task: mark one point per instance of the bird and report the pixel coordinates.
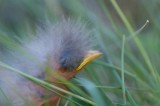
(57, 51)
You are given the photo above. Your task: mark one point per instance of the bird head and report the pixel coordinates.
(71, 45)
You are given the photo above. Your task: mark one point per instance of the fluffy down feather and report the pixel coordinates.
(62, 45)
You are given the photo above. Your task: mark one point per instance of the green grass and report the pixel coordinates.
(128, 72)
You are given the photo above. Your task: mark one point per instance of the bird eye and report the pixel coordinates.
(70, 59)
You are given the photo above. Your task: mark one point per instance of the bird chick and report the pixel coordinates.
(63, 48)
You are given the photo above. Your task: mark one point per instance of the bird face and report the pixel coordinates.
(89, 57)
(69, 72)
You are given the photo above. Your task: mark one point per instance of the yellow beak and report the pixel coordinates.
(89, 57)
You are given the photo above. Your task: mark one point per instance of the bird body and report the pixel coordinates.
(61, 48)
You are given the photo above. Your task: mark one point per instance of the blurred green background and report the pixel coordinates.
(128, 72)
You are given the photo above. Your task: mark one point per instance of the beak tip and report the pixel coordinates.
(89, 57)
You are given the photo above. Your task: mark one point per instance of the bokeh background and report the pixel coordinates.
(128, 72)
